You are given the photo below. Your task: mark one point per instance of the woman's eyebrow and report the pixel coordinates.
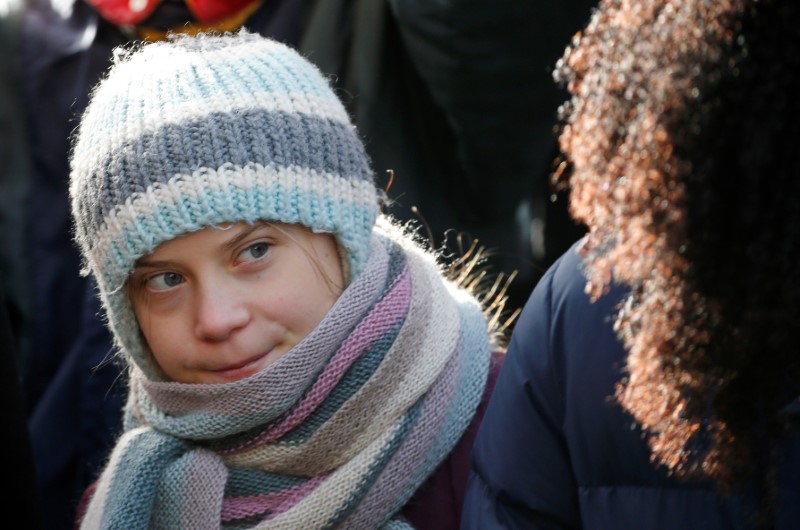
(246, 232)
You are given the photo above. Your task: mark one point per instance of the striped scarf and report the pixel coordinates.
(339, 432)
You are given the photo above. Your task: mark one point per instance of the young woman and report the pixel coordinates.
(297, 360)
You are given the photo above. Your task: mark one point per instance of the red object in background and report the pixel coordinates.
(132, 12)
(125, 12)
(210, 11)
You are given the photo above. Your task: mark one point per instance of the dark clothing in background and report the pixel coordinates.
(556, 451)
(21, 496)
(14, 162)
(457, 98)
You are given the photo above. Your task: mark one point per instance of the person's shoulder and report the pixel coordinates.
(562, 290)
(563, 280)
(562, 331)
(566, 275)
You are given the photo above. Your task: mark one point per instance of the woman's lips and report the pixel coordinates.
(243, 369)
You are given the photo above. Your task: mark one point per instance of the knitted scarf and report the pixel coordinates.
(339, 432)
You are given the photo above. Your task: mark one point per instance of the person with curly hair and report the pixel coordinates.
(652, 380)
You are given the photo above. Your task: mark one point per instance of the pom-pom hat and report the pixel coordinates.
(200, 131)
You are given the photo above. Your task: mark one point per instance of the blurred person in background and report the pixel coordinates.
(652, 380)
(457, 99)
(23, 495)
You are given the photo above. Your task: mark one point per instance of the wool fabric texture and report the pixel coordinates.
(338, 433)
(198, 131)
(342, 429)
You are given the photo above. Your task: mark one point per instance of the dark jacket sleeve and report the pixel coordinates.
(522, 475)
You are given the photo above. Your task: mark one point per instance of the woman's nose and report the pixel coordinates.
(221, 310)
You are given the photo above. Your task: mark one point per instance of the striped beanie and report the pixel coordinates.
(201, 130)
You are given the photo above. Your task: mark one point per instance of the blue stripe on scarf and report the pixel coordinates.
(243, 482)
(136, 479)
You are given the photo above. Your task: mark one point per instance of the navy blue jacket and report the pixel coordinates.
(556, 451)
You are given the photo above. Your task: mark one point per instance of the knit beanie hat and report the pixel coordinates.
(209, 129)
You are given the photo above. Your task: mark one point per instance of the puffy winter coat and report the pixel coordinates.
(556, 451)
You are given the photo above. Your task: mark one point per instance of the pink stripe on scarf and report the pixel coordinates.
(382, 317)
(277, 501)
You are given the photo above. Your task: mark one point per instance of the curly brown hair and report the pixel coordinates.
(681, 138)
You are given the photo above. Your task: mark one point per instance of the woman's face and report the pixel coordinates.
(222, 303)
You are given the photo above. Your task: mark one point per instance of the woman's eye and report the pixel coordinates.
(254, 252)
(164, 281)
